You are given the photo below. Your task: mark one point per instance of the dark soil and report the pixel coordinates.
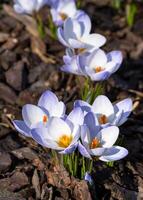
(26, 169)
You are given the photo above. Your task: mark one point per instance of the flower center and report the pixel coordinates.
(95, 143)
(99, 69)
(45, 118)
(63, 16)
(79, 51)
(103, 119)
(64, 141)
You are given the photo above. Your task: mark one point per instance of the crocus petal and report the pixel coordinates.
(69, 149)
(22, 128)
(92, 123)
(97, 151)
(88, 178)
(94, 40)
(114, 153)
(124, 106)
(109, 136)
(50, 102)
(72, 29)
(97, 58)
(68, 8)
(85, 21)
(77, 44)
(85, 106)
(85, 136)
(83, 151)
(61, 38)
(41, 136)
(115, 56)
(72, 66)
(103, 106)
(32, 115)
(18, 9)
(75, 134)
(57, 127)
(100, 76)
(76, 116)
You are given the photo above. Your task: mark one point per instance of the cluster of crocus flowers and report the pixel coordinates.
(92, 129)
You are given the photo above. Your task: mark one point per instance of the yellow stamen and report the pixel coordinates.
(64, 141)
(99, 69)
(103, 119)
(63, 16)
(95, 143)
(45, 118)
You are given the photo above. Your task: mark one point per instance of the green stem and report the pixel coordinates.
(40, 25)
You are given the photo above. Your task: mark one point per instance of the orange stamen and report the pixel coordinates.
(45, 118)
(103, 119)
(95, 143)
(99, 69)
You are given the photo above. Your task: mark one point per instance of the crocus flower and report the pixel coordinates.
(88, 178)
(100, 143)
(75, 34)
(33, 116)
(107, 114)
(28, 6)
(96, 65)
(58, 135)
(62, 9)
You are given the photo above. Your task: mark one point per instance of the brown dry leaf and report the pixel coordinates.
(81, 191)
(38, 47)
(59, 177)
(36, 184)
(39, 164)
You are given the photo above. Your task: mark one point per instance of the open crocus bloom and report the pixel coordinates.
(106, 113)
(35, 116)
(28, 6)
(75, 34)
(61, 10)
(100, 143)
(58, 134)
(99, 66)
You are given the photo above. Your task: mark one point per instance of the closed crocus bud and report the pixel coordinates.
(28, 6)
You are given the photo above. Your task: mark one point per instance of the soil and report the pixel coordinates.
(26, 169)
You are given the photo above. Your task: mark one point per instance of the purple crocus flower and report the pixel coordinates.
(96, 65)
(35, 116)
(58, 134)
(106, 113)
(28, 6)
(75, 34)
(96, 142)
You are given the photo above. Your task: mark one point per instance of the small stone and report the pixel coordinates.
(25, 153)
(18, 180)
(5, 162)
(7, 94)
(16, 76)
